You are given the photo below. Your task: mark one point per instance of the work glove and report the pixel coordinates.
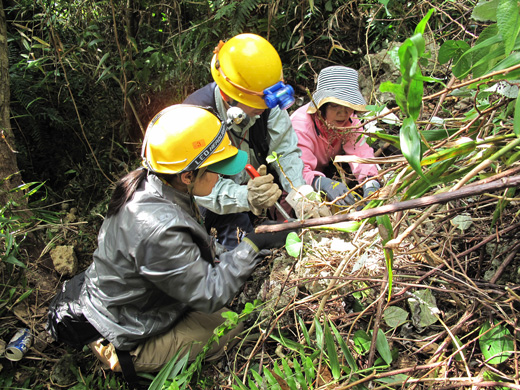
(305, 203)
(262, 191)
(334, 189)
(370, 187)
(268, 240)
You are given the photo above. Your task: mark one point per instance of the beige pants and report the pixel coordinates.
(194, 330)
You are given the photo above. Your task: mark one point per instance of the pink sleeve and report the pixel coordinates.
(302, 124)
(357, 147)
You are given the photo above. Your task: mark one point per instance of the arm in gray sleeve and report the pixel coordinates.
(284, 142)
(226, 197)
(175, 265)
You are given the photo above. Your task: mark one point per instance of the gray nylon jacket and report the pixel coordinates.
(155, 262)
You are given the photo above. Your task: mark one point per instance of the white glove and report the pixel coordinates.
(304, 202)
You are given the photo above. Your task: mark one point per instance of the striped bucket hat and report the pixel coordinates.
(337, 84)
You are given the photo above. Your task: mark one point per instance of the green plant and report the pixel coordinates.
(316, 360)
(15, 225)
(177, 374)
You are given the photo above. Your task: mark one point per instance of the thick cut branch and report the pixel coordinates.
(465, 192)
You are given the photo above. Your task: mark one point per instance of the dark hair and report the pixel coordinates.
(323, 110)
(125, 189)
(128, 184)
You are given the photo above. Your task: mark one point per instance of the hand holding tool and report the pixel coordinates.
(253, 173)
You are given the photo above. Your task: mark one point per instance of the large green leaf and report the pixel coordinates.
(485, 11)
(397, 90)
(497, 344)
(421, 186)
(411, 144)
(452, 50)
(508, 21)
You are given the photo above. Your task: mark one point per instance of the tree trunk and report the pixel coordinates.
(9, 175)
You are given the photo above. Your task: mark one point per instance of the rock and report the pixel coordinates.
(271, 292)
(65, 260)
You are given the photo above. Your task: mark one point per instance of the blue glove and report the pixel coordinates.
(333, 189)
(370, 187)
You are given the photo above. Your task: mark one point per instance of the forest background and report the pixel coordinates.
(81, 79)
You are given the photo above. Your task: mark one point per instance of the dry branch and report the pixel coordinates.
(465, 192)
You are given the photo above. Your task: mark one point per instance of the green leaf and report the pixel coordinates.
(508, 21)
(310, 370)
(289, 375)
(257, 377)
(414, 98)
(422, 24)
(13, 260)
(298, 374)
(394, 379)
(398, 92)
(516, 120)
(288, 343)
(382, 347)
(485, 11)
(497, 344)
(447, 154)
(456, 345)
(424, 308)
(501, 205)
(331, 353)
(348, 227)
(240, 386)
(511, 60)
(169, 371)
(362, 342)
(452, 50)
(411, 144)
(293, 244)
(304, 330)
(345, 349)
(395, 316)
(272, 380)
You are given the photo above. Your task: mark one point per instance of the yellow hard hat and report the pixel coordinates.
(244, 66)
(184, 138)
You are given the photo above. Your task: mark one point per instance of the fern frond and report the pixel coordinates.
(244, 12)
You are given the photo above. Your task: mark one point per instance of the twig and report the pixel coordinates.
(377, 320)
(489, 239)
(513, 251)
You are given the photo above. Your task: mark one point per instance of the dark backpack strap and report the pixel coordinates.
(259, 138)
(204, 96)
(128, 370)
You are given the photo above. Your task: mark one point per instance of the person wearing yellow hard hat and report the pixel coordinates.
(159, 282)
(248, 78)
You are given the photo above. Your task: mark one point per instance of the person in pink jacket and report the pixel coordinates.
(327, 127)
